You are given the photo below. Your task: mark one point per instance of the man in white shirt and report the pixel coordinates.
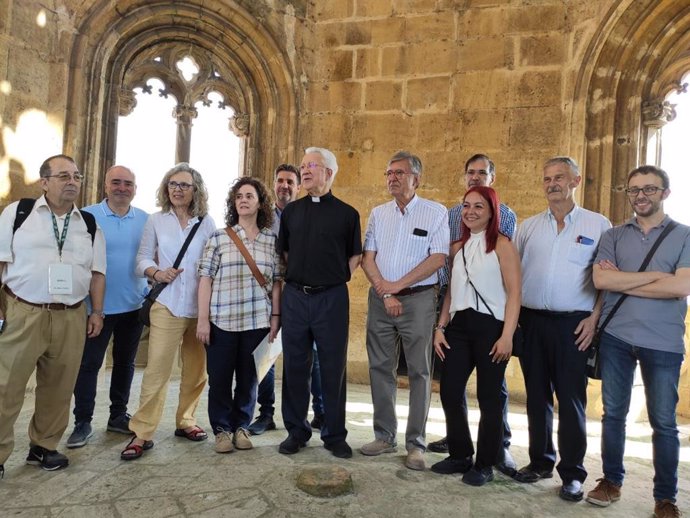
(405, 244)
(48, 266)
(559, 316)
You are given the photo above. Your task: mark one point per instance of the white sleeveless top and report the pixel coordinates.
(485, 273)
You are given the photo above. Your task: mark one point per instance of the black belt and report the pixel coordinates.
(413, 290)
(310, 290)
(547, 313)
(51, 305)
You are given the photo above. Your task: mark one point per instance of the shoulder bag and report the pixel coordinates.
(247, 257)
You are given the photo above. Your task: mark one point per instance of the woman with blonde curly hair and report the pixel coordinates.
(182, 198)
(235, 311)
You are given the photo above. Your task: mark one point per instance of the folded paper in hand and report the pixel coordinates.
(265, 355)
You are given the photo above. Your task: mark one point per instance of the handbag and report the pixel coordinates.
(157, 288)
(593, 358)
(518, 335)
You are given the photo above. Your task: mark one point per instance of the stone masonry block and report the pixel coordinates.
(436, 26)
(436, 57)
(431, 93)
(548, 49)
(485, 54)
(413, 6)
(383, 95)
(334, 96)
(366, 8)
(474, 23)
(326, 129)
(483, 89)
(542, 16)
(332, 9)
(333, 65)
(538, 89)
(358, 33)
(533, 128)
(387, 30)
(390, 131)
(367, 62)
(479, 129)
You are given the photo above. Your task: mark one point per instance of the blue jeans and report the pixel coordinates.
(660, 373)
(126, 331)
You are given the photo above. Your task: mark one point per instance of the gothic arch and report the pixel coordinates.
(625, 67)
(110, 38)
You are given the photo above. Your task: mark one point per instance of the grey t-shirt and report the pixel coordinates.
(644, 322)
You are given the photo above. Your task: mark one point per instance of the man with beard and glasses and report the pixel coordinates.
(647, 330)
(560, 311)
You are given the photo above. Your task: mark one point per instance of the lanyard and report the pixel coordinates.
(60, 239)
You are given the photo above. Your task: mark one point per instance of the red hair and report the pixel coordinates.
(492, 226)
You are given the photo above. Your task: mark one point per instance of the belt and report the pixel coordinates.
(548, 313)
(52, 305)
(413, 290)
(310, 290)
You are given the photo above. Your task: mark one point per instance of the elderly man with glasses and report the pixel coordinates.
(52, 257)
(405, 244)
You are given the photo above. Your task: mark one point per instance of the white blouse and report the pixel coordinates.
(485, 272)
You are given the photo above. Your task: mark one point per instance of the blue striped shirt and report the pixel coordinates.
(507, 224)
(404, 240)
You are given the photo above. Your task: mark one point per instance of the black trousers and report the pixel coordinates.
(551, 363)
(471, 335)
(323, 318)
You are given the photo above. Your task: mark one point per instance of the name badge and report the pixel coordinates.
(60, 279)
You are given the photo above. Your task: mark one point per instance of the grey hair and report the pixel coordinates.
(570, 162)
(330, 162)
(199, 206)
(413, 160)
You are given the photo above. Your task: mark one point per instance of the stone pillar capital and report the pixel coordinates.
(127, 101)
(184, 114)
(239, 124)
(657, 112)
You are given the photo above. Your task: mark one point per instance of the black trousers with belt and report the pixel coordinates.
(551, 363)
(324, 318)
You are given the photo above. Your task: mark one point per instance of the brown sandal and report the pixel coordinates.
(138, 449)
(195, 434)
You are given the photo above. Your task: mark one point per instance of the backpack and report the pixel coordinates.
(26, 205)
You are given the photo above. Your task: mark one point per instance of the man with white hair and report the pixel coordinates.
(321, 242)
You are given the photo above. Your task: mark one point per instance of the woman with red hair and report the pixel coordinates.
(475, 329)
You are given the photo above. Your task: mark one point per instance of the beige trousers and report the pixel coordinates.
(52, 342)
(167, 334)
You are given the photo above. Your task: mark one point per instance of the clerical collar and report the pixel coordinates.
(319, 199)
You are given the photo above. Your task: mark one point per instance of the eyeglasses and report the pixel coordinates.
(648, 190)
(398, 173)
(184, 186)
(479, 172)
(64, 176)
(310, 165)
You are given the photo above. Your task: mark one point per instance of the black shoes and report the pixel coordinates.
(80, 435)
(120, 424)
(507, 466)
(440, 446)
(571, 491)
(291, 445)
(478, 477)
(317, 422)
(339, 449)
(449, 465)
(530, 474)
(262, 424)
(49, 460)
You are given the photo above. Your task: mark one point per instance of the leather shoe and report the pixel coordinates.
(415, 460)
(449, 465)
(262, 424)
(440, 446)
(291, 445)
(339, 449)
(530, 474)
(317, 422)
(571, 491)
(478, 477)
(507, 465)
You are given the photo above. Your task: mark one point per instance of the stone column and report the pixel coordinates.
(184, 116)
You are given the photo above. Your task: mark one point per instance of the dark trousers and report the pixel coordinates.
(551, 363)
(471, 335)
(228, 355)
(125, 329)
(266, 397)
(322, 318)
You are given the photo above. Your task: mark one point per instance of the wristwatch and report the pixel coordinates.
(98, 313)
(386, 296)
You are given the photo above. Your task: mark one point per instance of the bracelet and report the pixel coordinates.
(100, 313)
(275, 314)
(154, 274)
(441, 328)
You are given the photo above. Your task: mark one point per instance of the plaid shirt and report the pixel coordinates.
(238, 302)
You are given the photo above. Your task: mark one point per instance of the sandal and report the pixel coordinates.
(138, 449)
(195, 434)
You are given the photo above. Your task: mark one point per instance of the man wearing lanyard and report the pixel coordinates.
(559, 316)
(321, 242)
(122, 226)
(406, 242)
(49, 266)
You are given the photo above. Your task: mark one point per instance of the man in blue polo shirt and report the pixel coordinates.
(122, 226)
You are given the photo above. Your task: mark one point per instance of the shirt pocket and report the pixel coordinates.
(582, 255)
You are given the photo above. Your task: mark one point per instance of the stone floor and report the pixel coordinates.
(180, 478)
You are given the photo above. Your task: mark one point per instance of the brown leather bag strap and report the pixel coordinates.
(247, 256)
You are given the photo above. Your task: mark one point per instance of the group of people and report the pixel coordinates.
(465, 283)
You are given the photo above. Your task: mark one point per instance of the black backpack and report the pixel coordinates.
(26, 205)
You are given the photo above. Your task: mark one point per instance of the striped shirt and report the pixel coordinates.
(404, 240)
(507, 224)
(238, 302)
(557, 267)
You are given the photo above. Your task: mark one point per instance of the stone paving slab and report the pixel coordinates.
(180, 478)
